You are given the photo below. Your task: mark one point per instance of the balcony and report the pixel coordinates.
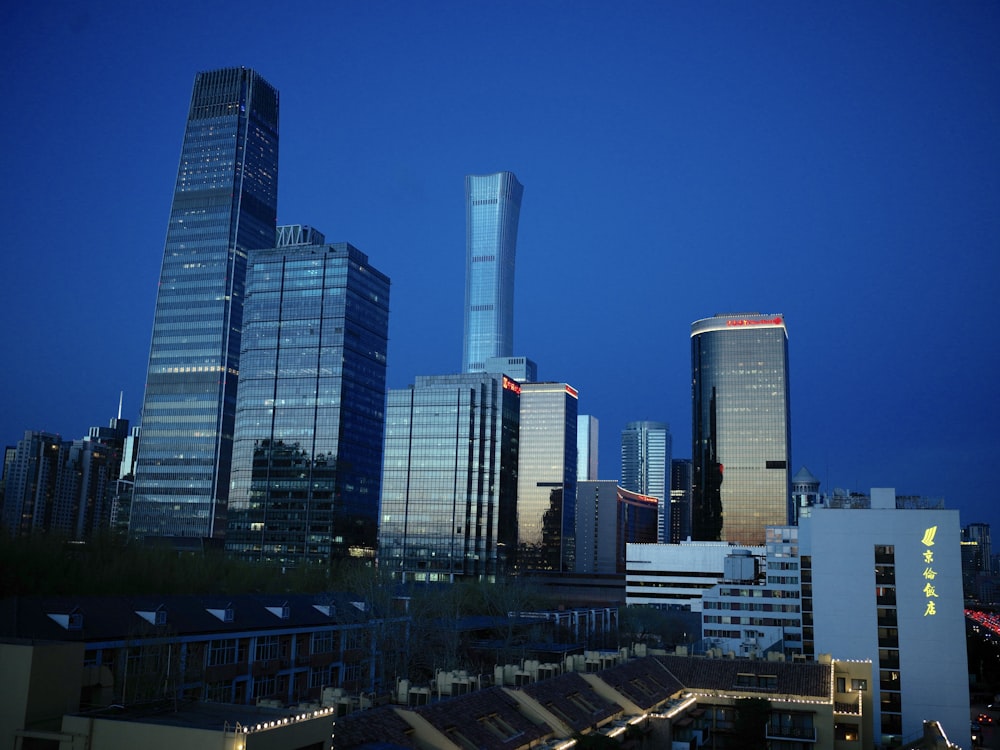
(800, 733)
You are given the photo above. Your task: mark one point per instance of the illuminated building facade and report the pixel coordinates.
(741, 441)
(492, 210)
(449, 477)
(307, 453)
(546, 478)
(680, 500)
(224, 205)
(587, 433)
(885, 584)
(646, 456)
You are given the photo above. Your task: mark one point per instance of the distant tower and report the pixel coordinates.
(307, 450)
(225, 203)
(979, 535)
(741, 447)
(492, 209)
(546, 478)
(680, 500)
(646, 455)
(805, 493)
(586, 448)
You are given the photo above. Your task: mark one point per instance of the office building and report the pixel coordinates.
(741, 448)
(449, 478)
(608, 518)
(521, 369)
(307, 450)
(676, 576)
(492, 210)
(681, 491)
(646, 456)
(224, 206)
(586, 448)
(885, 584)
(978, 535)
(756, 612)
(546, 478)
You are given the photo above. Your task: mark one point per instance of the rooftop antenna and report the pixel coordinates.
(121, 394)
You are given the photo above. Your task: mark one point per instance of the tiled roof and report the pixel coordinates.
(112, 618)
(377, 726)
(807, 679)
(574, 699)
(644, 681)
(475, 716)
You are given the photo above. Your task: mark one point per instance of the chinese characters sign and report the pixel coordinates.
(930, 591)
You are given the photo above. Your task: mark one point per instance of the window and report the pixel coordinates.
(845, 732)
(267, 648)
(841, 685)
(859, 684)
(222, 652)
(498, 727)
(323, 642)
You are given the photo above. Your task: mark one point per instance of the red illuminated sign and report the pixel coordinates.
(511, 385)
(747, 322)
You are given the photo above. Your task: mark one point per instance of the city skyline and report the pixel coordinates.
(837, 165)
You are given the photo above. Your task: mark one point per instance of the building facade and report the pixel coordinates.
(224, 205)
(646, 456)
(741, 436)
(885, 584)
(586, 448)
(608, 518)
(449, 478)
(546, 478)
(492, 210)
(307, 453)
(681, 491)
(676, 576)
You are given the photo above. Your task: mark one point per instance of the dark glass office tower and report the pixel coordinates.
(492, 211)
(449, 478)
(225, 203)
(647, 449)
(741, 427)
(307, 454)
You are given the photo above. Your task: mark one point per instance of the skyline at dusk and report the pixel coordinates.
(837, 166)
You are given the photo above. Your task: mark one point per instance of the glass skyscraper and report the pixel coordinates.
(546, 478)
(646, 453)
(741, 447)
(492, 210)
(449, 478)
(307, 454)
(224, 205)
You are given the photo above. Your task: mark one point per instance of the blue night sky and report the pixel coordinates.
(838, 163)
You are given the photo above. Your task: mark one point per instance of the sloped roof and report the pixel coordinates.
(574, 699)
(644, 682)
(470, 714)
(806, 679)
(116, 618)
(375, 727)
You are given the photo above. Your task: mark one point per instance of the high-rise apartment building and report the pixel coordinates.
(546, 478)
(741, 446)
(646, 455)
(492, 210)
(307, 453)
(449, 478)
(224, 205)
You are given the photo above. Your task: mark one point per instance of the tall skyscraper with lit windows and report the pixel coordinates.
(741, 441)
(492, 211)
(224, 205)
(307, 453)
